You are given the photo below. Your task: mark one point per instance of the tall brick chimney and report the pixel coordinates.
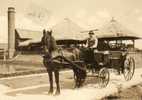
(11, 32)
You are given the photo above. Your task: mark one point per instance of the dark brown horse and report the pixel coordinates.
(54, 58)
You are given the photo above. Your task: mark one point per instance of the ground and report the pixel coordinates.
(36, 86)
(132, 93)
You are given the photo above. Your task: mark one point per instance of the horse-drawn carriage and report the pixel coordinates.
(112, 53)
(101, 60)
(115, 56)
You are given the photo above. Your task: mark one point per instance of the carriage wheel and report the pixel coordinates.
(104, 77)
(129, 68)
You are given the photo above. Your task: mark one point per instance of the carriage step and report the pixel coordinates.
(93, 75)
(78, 61)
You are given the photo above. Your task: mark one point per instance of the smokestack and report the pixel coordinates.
(11, 32)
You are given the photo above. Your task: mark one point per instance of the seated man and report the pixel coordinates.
(92, 41)
(91, 45)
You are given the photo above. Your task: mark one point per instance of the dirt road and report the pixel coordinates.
(36, 86)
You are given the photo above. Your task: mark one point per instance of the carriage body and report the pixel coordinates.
(114, 54)
(110, 59)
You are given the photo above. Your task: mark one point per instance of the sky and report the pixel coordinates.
(89, 14)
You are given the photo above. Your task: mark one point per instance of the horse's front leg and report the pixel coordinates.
(51, 82)
(56, 72)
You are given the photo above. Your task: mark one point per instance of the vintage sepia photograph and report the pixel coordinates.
(70, 49)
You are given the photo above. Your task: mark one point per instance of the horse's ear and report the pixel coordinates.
(44, 31)
(50, 32)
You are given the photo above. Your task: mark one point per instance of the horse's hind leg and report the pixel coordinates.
(51, 82)
(57, 82)
(75, 80)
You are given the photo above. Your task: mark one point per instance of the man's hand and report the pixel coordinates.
(46, 50)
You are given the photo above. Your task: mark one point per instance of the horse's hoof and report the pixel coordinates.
(57, 93)
(74, 87)
(50, 92)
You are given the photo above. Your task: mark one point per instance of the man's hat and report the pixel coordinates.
(91, 32)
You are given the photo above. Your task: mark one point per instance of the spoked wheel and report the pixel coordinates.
(129, 68)
(90, 68)
(104, 77)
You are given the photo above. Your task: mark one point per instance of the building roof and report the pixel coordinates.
(29, 36)
(67, 29)
(114, 30)
(22, 22)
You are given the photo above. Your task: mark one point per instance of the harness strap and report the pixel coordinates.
(61, 53)
(70, 62)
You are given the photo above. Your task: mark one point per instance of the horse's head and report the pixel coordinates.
(45, 42)
(49, 32)
(49, 43)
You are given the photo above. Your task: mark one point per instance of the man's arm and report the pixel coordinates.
(86, 45)
(96, 43)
